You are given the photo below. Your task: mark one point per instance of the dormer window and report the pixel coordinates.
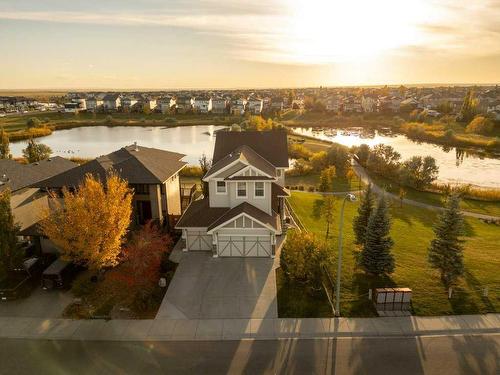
(221, 187)
(259, 189)
(241, 190)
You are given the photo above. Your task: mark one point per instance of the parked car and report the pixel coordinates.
(59, 275)
(21, 281)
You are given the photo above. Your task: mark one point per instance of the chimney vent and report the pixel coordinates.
(136, 148)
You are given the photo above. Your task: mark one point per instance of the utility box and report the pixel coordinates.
(392, 299)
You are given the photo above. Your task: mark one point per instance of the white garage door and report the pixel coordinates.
(197, 241)
(244, 246)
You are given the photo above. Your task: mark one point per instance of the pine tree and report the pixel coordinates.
(364, 211)
(376, 257)
(4, 145)
(445, 251)
(9, 254)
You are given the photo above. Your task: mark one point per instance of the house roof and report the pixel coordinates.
(250, 210)
(246, 155)
(144, 166)
(199, 214)
(19, 176)
(278, 191)
(270, 145)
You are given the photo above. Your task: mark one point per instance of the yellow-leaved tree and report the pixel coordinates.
(89, 224)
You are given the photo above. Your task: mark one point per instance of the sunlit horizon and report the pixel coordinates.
(235, 44)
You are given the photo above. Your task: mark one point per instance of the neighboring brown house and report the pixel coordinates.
(152, 173)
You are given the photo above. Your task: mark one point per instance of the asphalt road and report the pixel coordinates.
(410, 355)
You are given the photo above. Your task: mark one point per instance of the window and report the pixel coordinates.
(242, 189)
(280, 172)
(221, 187)
(259, 189)
(140, 188)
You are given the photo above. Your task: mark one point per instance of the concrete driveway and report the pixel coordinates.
(40, 304)
(204, 287)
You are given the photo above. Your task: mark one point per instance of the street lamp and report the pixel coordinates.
(351, 198)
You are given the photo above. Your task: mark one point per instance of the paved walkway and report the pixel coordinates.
(360, 171)
(204, 287)
(237, 329)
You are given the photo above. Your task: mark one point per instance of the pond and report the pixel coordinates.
(90, 142)
(455, 165)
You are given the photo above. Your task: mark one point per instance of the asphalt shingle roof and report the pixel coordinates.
(145, 166)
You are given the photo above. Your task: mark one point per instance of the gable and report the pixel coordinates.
(243, 221)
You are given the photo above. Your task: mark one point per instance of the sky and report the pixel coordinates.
(174, 44)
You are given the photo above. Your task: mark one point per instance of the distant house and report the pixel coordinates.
(238, 106)
(255, 106)
(165, 104)
(202, 104)
(333, 104)
(409, 104)
(368, 103)
(184, 104)
(128, 102)
(111, 102)
(243, 215)
(276, 104)
(219, 106)
(152, 173)
(94, 104)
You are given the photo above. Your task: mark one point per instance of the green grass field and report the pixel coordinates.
(436, 199)
(339, 183)
(411, 232)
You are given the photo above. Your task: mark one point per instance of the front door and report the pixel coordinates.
(144, 213)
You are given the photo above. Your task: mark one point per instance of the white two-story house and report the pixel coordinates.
(244, 211)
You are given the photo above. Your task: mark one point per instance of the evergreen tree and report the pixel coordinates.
(445, 251)
(364, 211)
(10, 257)
(36, 151)
(4, 145)
(376, 257)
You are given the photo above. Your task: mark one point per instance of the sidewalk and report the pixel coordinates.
(237, 329)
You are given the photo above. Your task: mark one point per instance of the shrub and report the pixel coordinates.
(34, 122)
(480, 125)
(170, 120)
(298, 151)
(83, 285)
(108, 119)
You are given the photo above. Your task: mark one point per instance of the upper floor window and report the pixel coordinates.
(259, 189)
(280, 172)
(221, 187)
(241, 189)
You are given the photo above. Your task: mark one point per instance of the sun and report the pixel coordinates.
(324, 31)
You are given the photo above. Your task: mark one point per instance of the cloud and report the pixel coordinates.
(302, 32)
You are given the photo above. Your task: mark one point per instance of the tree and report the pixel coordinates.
(90, 225)
(205, 165)
(235, 128)
(10, 256)
(36, 151)
(33, 122)
(319, 161)
(338, 156)
(365, 209)
(326, 179)
(418, 172)
(4, 145)
(445, 251)
(141, 259)
(376, 257)
(362, 152)
(384, 160)
(468, 110)
(303, 259)
(350, 175)
(327, 211)
(480, 125)
(298, 151)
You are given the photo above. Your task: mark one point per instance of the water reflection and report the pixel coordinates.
(462, 166)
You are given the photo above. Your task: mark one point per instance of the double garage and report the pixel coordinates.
(229, 244)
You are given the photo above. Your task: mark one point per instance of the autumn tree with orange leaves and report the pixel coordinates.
(90, 224)
(139, 271)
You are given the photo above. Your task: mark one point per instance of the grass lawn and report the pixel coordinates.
(411, 232)
(339, 183)
(473, 205)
